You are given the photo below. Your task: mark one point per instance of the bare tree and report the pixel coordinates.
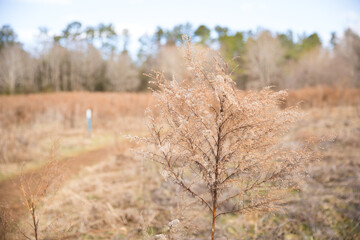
(13, 66)
(348, 53)
(313, 68)
(320, 66)
(34, 188)
(169, 60)
(51, 67)
(122, 73)
(263, 55)
(219, 144)
(92, 69)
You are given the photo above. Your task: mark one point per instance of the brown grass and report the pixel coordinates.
(322, 96)
(69, 106)
(107, 106)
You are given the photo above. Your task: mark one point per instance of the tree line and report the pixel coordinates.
(96, 58)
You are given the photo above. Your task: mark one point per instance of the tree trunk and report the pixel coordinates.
(12, 81)
(35, 223)
(215, 184)
(213, 221)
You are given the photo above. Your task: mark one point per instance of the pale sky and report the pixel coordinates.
(142, 16)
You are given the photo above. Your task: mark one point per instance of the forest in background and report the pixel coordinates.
(96, 58)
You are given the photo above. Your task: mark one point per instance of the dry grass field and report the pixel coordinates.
(107, 192)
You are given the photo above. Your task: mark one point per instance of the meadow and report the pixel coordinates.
(107, 192)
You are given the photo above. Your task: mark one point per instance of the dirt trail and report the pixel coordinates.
(10, 195)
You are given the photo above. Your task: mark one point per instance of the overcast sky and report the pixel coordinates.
(141, 16)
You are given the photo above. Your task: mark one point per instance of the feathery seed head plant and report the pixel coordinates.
(222, 145)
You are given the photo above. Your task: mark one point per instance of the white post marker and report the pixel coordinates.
(88, 120)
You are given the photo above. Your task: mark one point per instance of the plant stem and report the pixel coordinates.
(34, 223)
(214, 216)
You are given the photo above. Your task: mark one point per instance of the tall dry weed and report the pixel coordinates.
(220, 145)
(34, 187)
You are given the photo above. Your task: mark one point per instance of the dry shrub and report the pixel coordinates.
(34, 187)
(220, 145)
